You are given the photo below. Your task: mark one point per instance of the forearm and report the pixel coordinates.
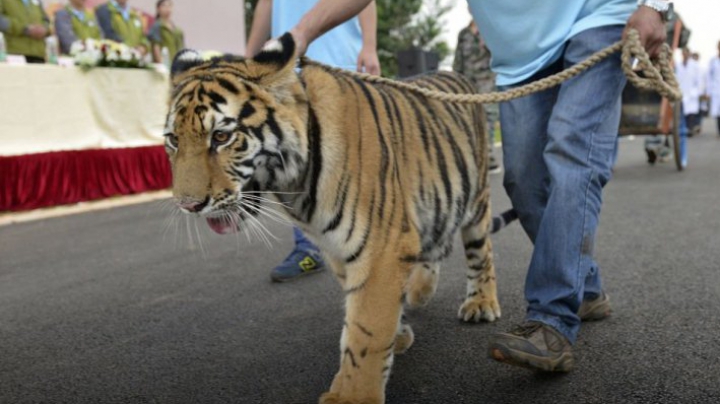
(325, 15)
(368, 26)
(260, 31)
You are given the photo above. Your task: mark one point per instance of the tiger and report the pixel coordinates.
(381, 178)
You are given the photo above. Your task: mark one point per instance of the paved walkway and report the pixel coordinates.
(117, 306)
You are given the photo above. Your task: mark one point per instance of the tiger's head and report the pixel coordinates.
(236, 127)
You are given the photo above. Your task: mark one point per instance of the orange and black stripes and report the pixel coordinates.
(381, 178)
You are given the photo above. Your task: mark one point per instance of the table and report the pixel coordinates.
(68, 135)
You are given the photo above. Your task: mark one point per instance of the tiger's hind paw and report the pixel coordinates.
(476, 310)
(403, 339)
(421, 285)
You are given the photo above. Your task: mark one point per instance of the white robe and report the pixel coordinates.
(713, 86)
(690, 80)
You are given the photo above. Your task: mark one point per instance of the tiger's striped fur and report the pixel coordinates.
(381, 179)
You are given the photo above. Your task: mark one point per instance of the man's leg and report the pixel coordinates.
(581, 135)
(524, 124)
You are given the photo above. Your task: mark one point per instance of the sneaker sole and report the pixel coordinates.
(564, 363)
(597, 316)
(277, 279)
(599, 311)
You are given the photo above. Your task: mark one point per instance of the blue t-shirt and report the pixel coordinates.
(525, 36)
(338, 47)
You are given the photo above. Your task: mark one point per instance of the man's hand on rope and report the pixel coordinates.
(368, 61)
(651, 28)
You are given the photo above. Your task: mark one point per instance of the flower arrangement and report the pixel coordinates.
(105, 53)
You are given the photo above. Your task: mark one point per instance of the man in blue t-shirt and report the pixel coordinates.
(351, 45)
(558, 148)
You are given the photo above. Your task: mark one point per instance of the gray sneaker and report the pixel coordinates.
(533, 345)
(596, 309)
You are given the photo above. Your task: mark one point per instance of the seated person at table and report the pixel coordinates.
(25, 26)
(75, 23)
(164, 33)
(121, 24)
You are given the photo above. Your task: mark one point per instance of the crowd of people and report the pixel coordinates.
(26, 25)
(700, 86)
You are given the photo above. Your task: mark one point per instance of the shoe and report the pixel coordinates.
(651, 155)
(533, 345)
(665, 154)
(596, 309)
(494, 167)
(300, 262)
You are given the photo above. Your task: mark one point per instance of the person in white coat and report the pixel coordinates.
(689, 77)
(713, 87)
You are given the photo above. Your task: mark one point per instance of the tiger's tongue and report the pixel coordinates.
(222, 225)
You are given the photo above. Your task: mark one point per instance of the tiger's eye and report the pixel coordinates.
(172, 139)
(221, 137)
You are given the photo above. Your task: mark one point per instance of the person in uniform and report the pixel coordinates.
(75, 23)
(25, 27)
(713, 87)
(121, 24)
(472, 60)
(164, 33)
(690, 80)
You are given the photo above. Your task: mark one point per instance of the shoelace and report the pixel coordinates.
(526, 329)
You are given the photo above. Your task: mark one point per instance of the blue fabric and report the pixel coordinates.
(301, 242)
(525, 36)
(558, 150)
(338, 47)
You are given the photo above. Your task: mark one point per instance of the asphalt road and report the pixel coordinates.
(116, 307)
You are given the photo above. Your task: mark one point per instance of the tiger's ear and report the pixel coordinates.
(185, 60)
(278, 51)
(277, 57)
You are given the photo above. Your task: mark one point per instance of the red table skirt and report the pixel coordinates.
(48, 179)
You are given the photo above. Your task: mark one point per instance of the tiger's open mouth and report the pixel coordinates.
(228, 221)
(225, 224)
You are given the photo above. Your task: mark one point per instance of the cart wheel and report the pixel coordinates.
(679, 138)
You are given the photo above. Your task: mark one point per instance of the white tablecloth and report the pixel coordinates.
(50, 108)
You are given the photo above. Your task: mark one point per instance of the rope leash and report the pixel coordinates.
(659, 75)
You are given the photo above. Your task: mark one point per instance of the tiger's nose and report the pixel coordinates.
(191, 204)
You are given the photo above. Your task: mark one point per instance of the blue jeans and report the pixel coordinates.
(558, 148)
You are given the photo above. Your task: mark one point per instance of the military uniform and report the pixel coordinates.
(472, 59)
(15, 17)
(121, 25)
(166, 36)
(73, 25)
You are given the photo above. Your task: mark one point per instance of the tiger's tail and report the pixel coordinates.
(499, 222)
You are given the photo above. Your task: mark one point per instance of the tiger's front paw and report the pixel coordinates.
(334, 398)
(476, 310)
